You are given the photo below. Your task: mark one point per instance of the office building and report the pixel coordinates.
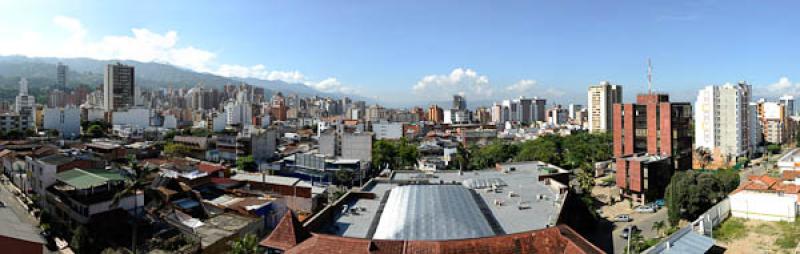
(119, 87)
(601, 99)
(722, 122)
(653, 126)
(435, 114)
(387, 130)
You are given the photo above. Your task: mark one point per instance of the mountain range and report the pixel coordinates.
(41, 74)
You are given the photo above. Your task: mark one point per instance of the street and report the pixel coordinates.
(14, 204)
(643, 221)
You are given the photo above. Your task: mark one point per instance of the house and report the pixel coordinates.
(768, 198)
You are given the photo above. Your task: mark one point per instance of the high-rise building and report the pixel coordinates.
(24, 106)
(648, 130)
(573, 110)
(601, 99)
(61, 76)
(721, 121)
(459, 102)
(538, 109)
(435, 114)
(776, 126)
(119, 87)
(788, 102)
(278, 109)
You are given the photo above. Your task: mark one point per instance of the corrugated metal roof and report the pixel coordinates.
(431, 212)
(482, 183)
(87, 178)
(691, 242)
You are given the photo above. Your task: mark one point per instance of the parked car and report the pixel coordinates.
(644, 209)
(627, 231)
(623, 218)
(659, 203)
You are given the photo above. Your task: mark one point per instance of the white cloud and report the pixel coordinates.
(784, 86)
(462, 81)
(141, 45)
(331, 85)
(469, 83)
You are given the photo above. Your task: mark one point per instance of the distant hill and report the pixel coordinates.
(41, 74)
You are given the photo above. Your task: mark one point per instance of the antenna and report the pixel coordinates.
(649, 76)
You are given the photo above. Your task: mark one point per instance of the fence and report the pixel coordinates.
(704, 225)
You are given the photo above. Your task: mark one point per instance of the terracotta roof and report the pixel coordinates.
(287, 234)
(559, 239)
(210, 167)
(762, 182)
(790, 175)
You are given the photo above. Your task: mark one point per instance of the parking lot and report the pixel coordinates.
(643, 221)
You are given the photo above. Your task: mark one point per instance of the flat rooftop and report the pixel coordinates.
(450, 205)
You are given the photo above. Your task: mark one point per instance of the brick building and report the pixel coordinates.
(653, 126)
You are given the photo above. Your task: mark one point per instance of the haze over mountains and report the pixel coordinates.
(41, 72)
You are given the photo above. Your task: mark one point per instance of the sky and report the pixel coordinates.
(407, 52)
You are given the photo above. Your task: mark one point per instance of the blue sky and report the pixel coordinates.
(416, 51)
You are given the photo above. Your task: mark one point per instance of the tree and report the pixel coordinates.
(96, 131)
(496, 152)
(544, 148)
(80, 242)
(245, 245)
(136, 182)
(383, 154)
(176, 149)
(407, 153)
(246, 163)
(462, 157)
(658, 226)
(691, 193)
(703, 156)
(774, 149)
(344, 177)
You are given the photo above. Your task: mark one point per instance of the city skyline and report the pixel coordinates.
(426, 53)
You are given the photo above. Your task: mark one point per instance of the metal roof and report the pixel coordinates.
(432, 212)
(482, 183)
(87, 178)
(691, 242)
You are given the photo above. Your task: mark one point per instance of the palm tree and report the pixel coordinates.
(245, 245)
(658, 226)
(134, 184)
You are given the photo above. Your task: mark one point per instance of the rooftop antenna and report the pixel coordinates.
(649, 76)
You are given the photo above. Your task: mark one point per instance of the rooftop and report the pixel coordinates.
(445, 205)
(87, 178)
(11, 226)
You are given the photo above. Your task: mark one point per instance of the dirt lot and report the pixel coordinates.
(757, 237)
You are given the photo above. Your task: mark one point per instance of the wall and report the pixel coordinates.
(764, 206)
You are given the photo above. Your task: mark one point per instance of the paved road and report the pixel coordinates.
(13, 203)
(643, 221)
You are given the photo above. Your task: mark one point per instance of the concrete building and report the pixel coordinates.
(722, 122)
(602, 97)
(643, 178)
(459, 103)
(387, 130)
(240, 111)
(24, 107)
(263, 144)
(119, 87)
(452, 116)
(775, 125)
(61, 76)
(788, 102)
(67, 121)
(345, 144)
(134, 117)
(557, 115)
(574, 109)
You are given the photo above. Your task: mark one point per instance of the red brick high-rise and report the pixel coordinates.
(435, 114)
(651, 127)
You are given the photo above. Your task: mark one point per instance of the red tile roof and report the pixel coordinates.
(290, 237)
(560, 239)
(210, 168)
(287, 234)
(790, 175)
